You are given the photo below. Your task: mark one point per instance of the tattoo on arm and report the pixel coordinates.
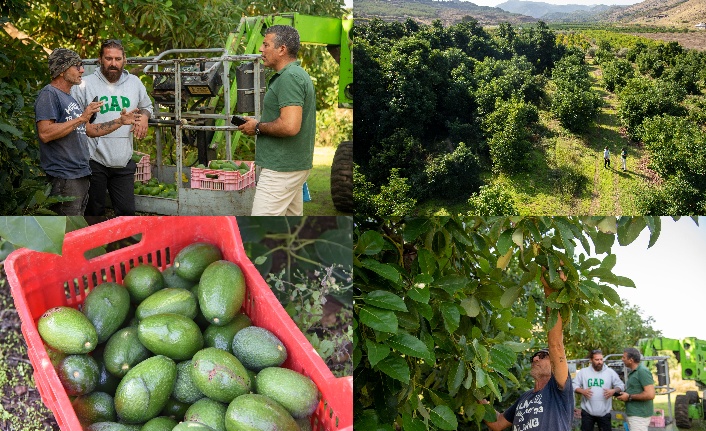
(109, 124)
(145, 113)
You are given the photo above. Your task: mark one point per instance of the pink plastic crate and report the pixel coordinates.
(216, 179)
(143, 172)
(67, 279)
(657, 421)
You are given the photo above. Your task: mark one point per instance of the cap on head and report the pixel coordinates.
(60, 60)
(545, 351)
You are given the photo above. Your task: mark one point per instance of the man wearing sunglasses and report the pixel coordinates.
(596, 384)
(62, 127)
(113, 169)
(549, 406)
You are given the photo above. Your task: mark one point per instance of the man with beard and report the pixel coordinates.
(287, 129)
(639, 391)
(111, 156)
(550, 405)
(62, 127)
(597, 384)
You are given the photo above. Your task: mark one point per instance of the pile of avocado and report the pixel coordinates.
(154, 188)
(136, 157)
(170, 351)
(227, 165)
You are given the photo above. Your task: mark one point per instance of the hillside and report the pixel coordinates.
(667, 13)
(426, 11)
(540, 9)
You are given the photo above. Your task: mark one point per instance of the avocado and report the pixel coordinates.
(257, 348)
(175, 409)
(221, 292)
(168, 300)
(112, 426)
(222, 336)
(67, 330)
(254, 412)
(304, 423)
(145, 389)
(78, 374)
(94, 407)
(192, 426)
(172, 279)
(208, 412)
(142, 281)
(294, 391)
(184, 388)
(160, 423)
(193, 259)
(219, 375)
(123, 351)
(106, 306)
(169, 334)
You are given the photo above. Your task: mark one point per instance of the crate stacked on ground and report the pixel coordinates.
(224, 175)
(143, 173)
(657, 421)
(42, 281)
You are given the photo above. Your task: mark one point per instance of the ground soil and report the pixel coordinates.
(691, 40)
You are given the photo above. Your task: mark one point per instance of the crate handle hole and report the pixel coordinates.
(112, 246)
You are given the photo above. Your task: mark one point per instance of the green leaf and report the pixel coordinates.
(452, 283)
(521, 327)
(378, 319)
(531, 309)
(518, 237)
(36, 233)
(458, 233)
(411, 424)
(370, 242)
(629, 232)
(420, 290)
(409, 345)
(376, 352)
(386, 271)
(386, 300)
(426, 261)
(603, 242)
(608, 225)
(415, 227)
(444, 418)
(505, 241)
(334, 247)
(471, 306)
(481, 378)
(510, 296)
(502, 356)
(458, 377)
(609, 261)
(395, 367)
(4, 127)
(655, 226)
(610, 294)
(451, 316)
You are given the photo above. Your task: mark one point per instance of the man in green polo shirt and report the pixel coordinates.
(286, 131)
(639, 391)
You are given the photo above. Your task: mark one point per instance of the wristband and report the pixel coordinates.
(629, 397)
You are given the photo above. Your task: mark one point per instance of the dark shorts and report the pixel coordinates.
(589, 422)
(118, 182)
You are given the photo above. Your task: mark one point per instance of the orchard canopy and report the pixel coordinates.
(446, 308)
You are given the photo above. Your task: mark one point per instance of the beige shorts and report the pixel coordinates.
(637, 423)
(279, 193)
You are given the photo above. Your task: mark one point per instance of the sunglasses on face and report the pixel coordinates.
(78, 66)
(541, 355)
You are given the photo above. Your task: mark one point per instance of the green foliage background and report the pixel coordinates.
(146, 27)
(446, 308)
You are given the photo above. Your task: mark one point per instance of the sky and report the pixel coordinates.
(581, 2)
(670, 277)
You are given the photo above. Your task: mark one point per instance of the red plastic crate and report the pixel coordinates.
(144, 169)
(217, 179)
(658, 421)
(67, 279)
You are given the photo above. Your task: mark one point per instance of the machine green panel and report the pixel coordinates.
(318, 30)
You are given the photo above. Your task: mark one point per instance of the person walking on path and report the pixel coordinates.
(596, 384)
(606, 158)
(624, 156)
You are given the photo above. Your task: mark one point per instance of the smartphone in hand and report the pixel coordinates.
(238, 120)
(95, 114)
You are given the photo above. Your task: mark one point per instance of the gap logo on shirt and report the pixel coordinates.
(114, 103)
(595, 382)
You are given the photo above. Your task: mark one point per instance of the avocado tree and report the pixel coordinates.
(441, 320)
